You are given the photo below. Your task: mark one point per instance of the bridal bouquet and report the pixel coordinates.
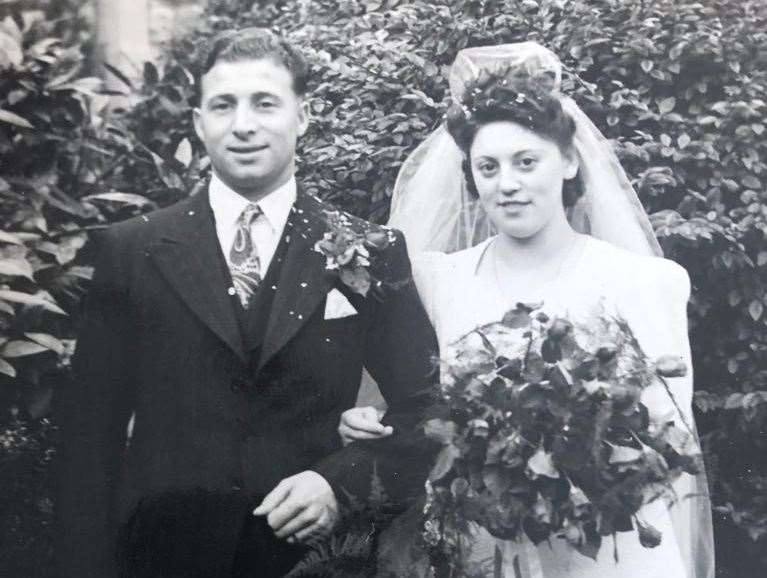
(545, 434)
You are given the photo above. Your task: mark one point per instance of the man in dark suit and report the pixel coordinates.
(218, 330)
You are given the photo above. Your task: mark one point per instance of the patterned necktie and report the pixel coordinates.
(244, 263)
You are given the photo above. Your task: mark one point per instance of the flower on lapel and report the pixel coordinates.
(346, 246)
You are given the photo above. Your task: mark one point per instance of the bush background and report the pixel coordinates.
(679, 86)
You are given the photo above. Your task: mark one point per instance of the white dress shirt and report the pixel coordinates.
(266, 231)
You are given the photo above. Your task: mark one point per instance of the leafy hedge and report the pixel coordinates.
(679, 85)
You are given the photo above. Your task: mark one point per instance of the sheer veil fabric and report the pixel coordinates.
(433, 209)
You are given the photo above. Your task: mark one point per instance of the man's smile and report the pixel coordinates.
(246, 149)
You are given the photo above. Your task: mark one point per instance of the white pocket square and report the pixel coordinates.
(337, 306)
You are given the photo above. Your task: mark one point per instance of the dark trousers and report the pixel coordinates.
(261, 555)
(201, 534)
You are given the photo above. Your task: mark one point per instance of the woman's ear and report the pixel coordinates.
(571, 163)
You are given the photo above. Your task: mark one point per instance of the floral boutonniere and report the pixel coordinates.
(346, 246)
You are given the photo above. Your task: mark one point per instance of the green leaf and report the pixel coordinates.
(48, 341)
(118, 74)
(13, 118)
(168, 176)
(27, 299)
(184, 152)
(517, 318)
(666, 105)
(441, 430)
(127, 198)
(624, 454)
(591, 545)
(7, 369)
(10, 238)
(16, 268)
(541, 464)
(19, 348)
(444, 463)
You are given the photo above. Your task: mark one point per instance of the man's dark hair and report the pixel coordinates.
(252, 44)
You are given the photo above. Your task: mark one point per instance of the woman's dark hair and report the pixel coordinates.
(252, 44)
(518, 98)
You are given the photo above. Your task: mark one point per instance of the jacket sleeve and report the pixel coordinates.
(400, 353)
(93, 411)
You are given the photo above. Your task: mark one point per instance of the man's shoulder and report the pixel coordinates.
(146, 227)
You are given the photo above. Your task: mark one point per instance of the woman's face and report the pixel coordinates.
(519, 177)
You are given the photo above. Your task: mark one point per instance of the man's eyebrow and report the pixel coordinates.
(254, 96)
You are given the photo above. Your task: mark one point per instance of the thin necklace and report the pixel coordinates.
(565, 258)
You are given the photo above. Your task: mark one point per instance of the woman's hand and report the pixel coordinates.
(362, 423)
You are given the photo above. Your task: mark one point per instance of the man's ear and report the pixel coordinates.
(197, 120)
(303, 115)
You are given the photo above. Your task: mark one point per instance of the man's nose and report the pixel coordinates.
(245, 122)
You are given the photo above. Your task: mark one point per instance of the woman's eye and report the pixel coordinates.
(219, 106)
(487, 169)
(266, 104)
(528, 162)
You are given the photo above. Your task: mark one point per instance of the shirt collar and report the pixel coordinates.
(227, 205)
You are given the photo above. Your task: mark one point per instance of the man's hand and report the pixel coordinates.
(300, 508)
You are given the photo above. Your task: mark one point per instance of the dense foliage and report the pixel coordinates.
(679, 85)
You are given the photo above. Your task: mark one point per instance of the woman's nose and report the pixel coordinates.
(508, 182)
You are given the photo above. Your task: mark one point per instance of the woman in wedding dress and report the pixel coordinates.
(482, 207)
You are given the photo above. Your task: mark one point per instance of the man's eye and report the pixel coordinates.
(218, 106)
(266, 104)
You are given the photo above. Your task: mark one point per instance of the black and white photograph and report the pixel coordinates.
(383, 288)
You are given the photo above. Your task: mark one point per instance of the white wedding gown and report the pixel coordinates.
(651, 294)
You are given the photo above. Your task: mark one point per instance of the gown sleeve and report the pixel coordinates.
(656, 309)
(428, 267)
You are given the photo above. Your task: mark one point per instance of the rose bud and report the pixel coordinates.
(573, 535)
(606, 353)
(623, 396)
(559, 328)
(670, 366)
(377, 239)
(649, 537)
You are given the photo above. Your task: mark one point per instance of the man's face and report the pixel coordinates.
(249, 121)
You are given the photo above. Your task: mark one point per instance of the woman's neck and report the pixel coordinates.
(545, 247)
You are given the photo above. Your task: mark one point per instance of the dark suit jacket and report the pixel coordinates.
(160, 339)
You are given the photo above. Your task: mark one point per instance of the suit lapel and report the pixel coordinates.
(303, 282)
(189, 257)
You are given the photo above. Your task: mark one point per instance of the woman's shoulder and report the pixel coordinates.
(635, 271)
(438, 262)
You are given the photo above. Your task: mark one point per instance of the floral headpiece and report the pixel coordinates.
(507, 89)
